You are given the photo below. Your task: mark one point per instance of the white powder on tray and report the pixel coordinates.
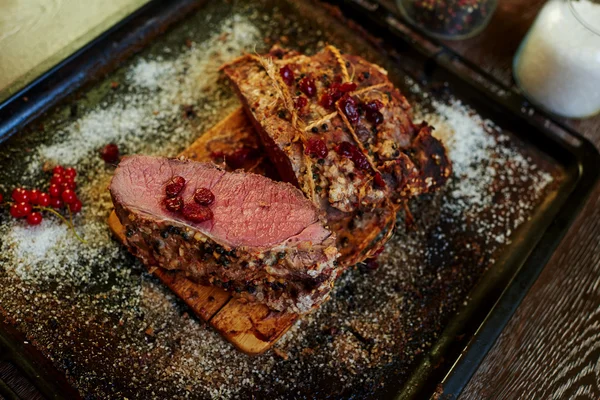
(368, 323)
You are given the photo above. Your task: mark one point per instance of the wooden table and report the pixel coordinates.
(551, 346)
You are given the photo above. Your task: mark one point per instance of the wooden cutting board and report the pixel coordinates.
(252, 328)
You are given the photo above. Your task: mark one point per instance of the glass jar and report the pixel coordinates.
(448, 19)
(558, 63)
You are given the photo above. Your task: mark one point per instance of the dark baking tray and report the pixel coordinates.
(452, 359)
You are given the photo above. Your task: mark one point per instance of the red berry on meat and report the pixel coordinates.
(34, 218)
(348, 150)
(197, 213)
(204, 197)
(43, 200)
(110, 153)
(350, 109)
(174, 204)
(307, 86)
(76, 206)
(20, 195)
(345, 149)
(287, 75)
(175, 186)
(374, 105)
(240, 157)
(56, 202)
(316, 147)
(326, 100)
(54, 190)
(375, 117)
(379, 180)
(300, 102)
(68, 196)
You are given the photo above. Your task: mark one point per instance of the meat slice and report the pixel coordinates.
(266, 242)
(335, 126)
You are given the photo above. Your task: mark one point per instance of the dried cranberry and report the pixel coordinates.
(300, 102)
(350, 108)
(174, 204)
(110, 153)
(375, 117)
(287, 75)
(347, 87)
(204, 196)
(379, 180)
(374, 105)
(348, 150)
(316, 147)
(174, 186)
(326, 100)
(307, 86)
(197, 213)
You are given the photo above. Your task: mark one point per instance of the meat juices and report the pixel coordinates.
(265, 241)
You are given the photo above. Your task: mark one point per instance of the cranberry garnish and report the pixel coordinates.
(58, 170)
(43, 200)
(174, 203)
(70, 172)
(300, 102)
(326, 100)
(110, 153)
(54, 190)
(350, 108)
(379, 180)
(316, 147)
(204, 197)
(34, 218)
(76, 206)
(347, 149)
(287, 75)
(347, 87)
(197, 213)
(374, 105)
(56, 202)
(174, 186)
(68, 196)
(307, 86)
(24, 209)
(238, 158)
(375, 117)
(20, 195)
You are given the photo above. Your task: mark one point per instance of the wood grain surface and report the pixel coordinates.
(551, 347)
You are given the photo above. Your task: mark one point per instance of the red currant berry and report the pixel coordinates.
(34, 218)
(34, 196)
(24, 209)
(57, 179)
(68, 185)
(110, 153)
(75, 207)
(14, 211)
(68, 196)
(43, 200)
(20, 195)
(1, 198)
(58, 170)
(204, 196)
(70, 172)
(56, 202)
(54, 190)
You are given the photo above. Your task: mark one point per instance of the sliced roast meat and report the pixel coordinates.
(335, 126)
(264, 241)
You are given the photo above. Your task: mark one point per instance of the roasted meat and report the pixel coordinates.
(265, 241)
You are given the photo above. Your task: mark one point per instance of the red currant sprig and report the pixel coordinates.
(28, 204)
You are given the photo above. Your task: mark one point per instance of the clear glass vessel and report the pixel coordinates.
(558, 63)
(448, 19)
